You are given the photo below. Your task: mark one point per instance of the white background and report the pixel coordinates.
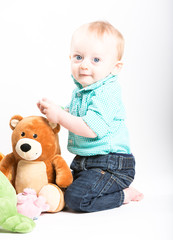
(34, 62)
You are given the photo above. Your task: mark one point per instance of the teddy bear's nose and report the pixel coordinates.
(25, 147)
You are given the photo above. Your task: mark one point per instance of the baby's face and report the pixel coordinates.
(92, 58)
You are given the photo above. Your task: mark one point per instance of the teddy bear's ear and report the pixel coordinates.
(55, 127)
(14, 121)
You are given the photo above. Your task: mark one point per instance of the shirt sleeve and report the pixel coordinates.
(104, 109)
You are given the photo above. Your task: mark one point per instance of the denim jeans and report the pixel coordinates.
(99, 181)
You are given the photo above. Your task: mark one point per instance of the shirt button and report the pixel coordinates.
(78, 94)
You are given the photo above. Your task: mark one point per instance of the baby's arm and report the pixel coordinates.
(56, 114)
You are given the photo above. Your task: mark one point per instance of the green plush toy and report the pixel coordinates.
(10, 219)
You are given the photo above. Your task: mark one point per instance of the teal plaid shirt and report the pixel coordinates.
(101, 108)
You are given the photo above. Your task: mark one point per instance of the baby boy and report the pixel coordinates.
(104, 166)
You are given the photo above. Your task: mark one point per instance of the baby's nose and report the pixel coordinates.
(84, 65)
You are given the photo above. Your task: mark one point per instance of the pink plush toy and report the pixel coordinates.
(30, 205)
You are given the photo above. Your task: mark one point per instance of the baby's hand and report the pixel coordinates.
(41, 108)
(50, 109)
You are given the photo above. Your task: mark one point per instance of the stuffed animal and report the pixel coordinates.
(35, 161)
(30, 205)
(10, 219)
(1, 156)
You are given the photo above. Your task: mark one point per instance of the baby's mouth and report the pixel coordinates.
(85, 75)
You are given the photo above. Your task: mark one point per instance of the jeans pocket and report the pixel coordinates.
(99, 176)
(108, 187)
(105, 183)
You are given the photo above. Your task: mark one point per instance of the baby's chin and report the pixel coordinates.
(86, 80)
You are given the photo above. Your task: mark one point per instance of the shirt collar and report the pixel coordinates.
(109, 78)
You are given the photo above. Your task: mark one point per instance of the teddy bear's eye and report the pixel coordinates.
(22, 134)
(34, 135)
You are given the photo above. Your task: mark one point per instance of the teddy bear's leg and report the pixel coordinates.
(54, 197)
(10, 219)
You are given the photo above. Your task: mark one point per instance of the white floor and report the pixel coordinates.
(151, 218)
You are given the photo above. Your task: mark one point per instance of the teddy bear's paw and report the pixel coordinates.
(19, 223)
(54, 197)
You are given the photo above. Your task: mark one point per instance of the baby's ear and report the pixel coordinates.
(55, 127)
(14, 121)
(117, 68)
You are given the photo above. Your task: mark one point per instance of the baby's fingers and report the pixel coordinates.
(47, 100)
(44, 104)
(38, 105)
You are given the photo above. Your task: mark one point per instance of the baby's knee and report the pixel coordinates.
(72, 200)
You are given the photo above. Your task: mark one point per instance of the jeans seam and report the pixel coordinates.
(119, 182)
(106, 186)
(122, 198)
(96, 184)
(124, 177)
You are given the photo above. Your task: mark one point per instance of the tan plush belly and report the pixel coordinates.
(30, 174)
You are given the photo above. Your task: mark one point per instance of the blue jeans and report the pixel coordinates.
(99, 181)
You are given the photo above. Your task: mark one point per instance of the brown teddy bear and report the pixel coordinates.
(1, 156)
(36, 161)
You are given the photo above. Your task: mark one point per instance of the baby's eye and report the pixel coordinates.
(96, 60)
(78, 57)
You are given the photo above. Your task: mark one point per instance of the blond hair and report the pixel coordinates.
(102, 27)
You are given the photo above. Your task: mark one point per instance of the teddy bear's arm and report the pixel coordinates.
(63, 174)
(7, 163)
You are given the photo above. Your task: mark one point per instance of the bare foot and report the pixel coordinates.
(131, 194)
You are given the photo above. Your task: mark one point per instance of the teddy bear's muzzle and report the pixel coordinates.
(28, 149)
